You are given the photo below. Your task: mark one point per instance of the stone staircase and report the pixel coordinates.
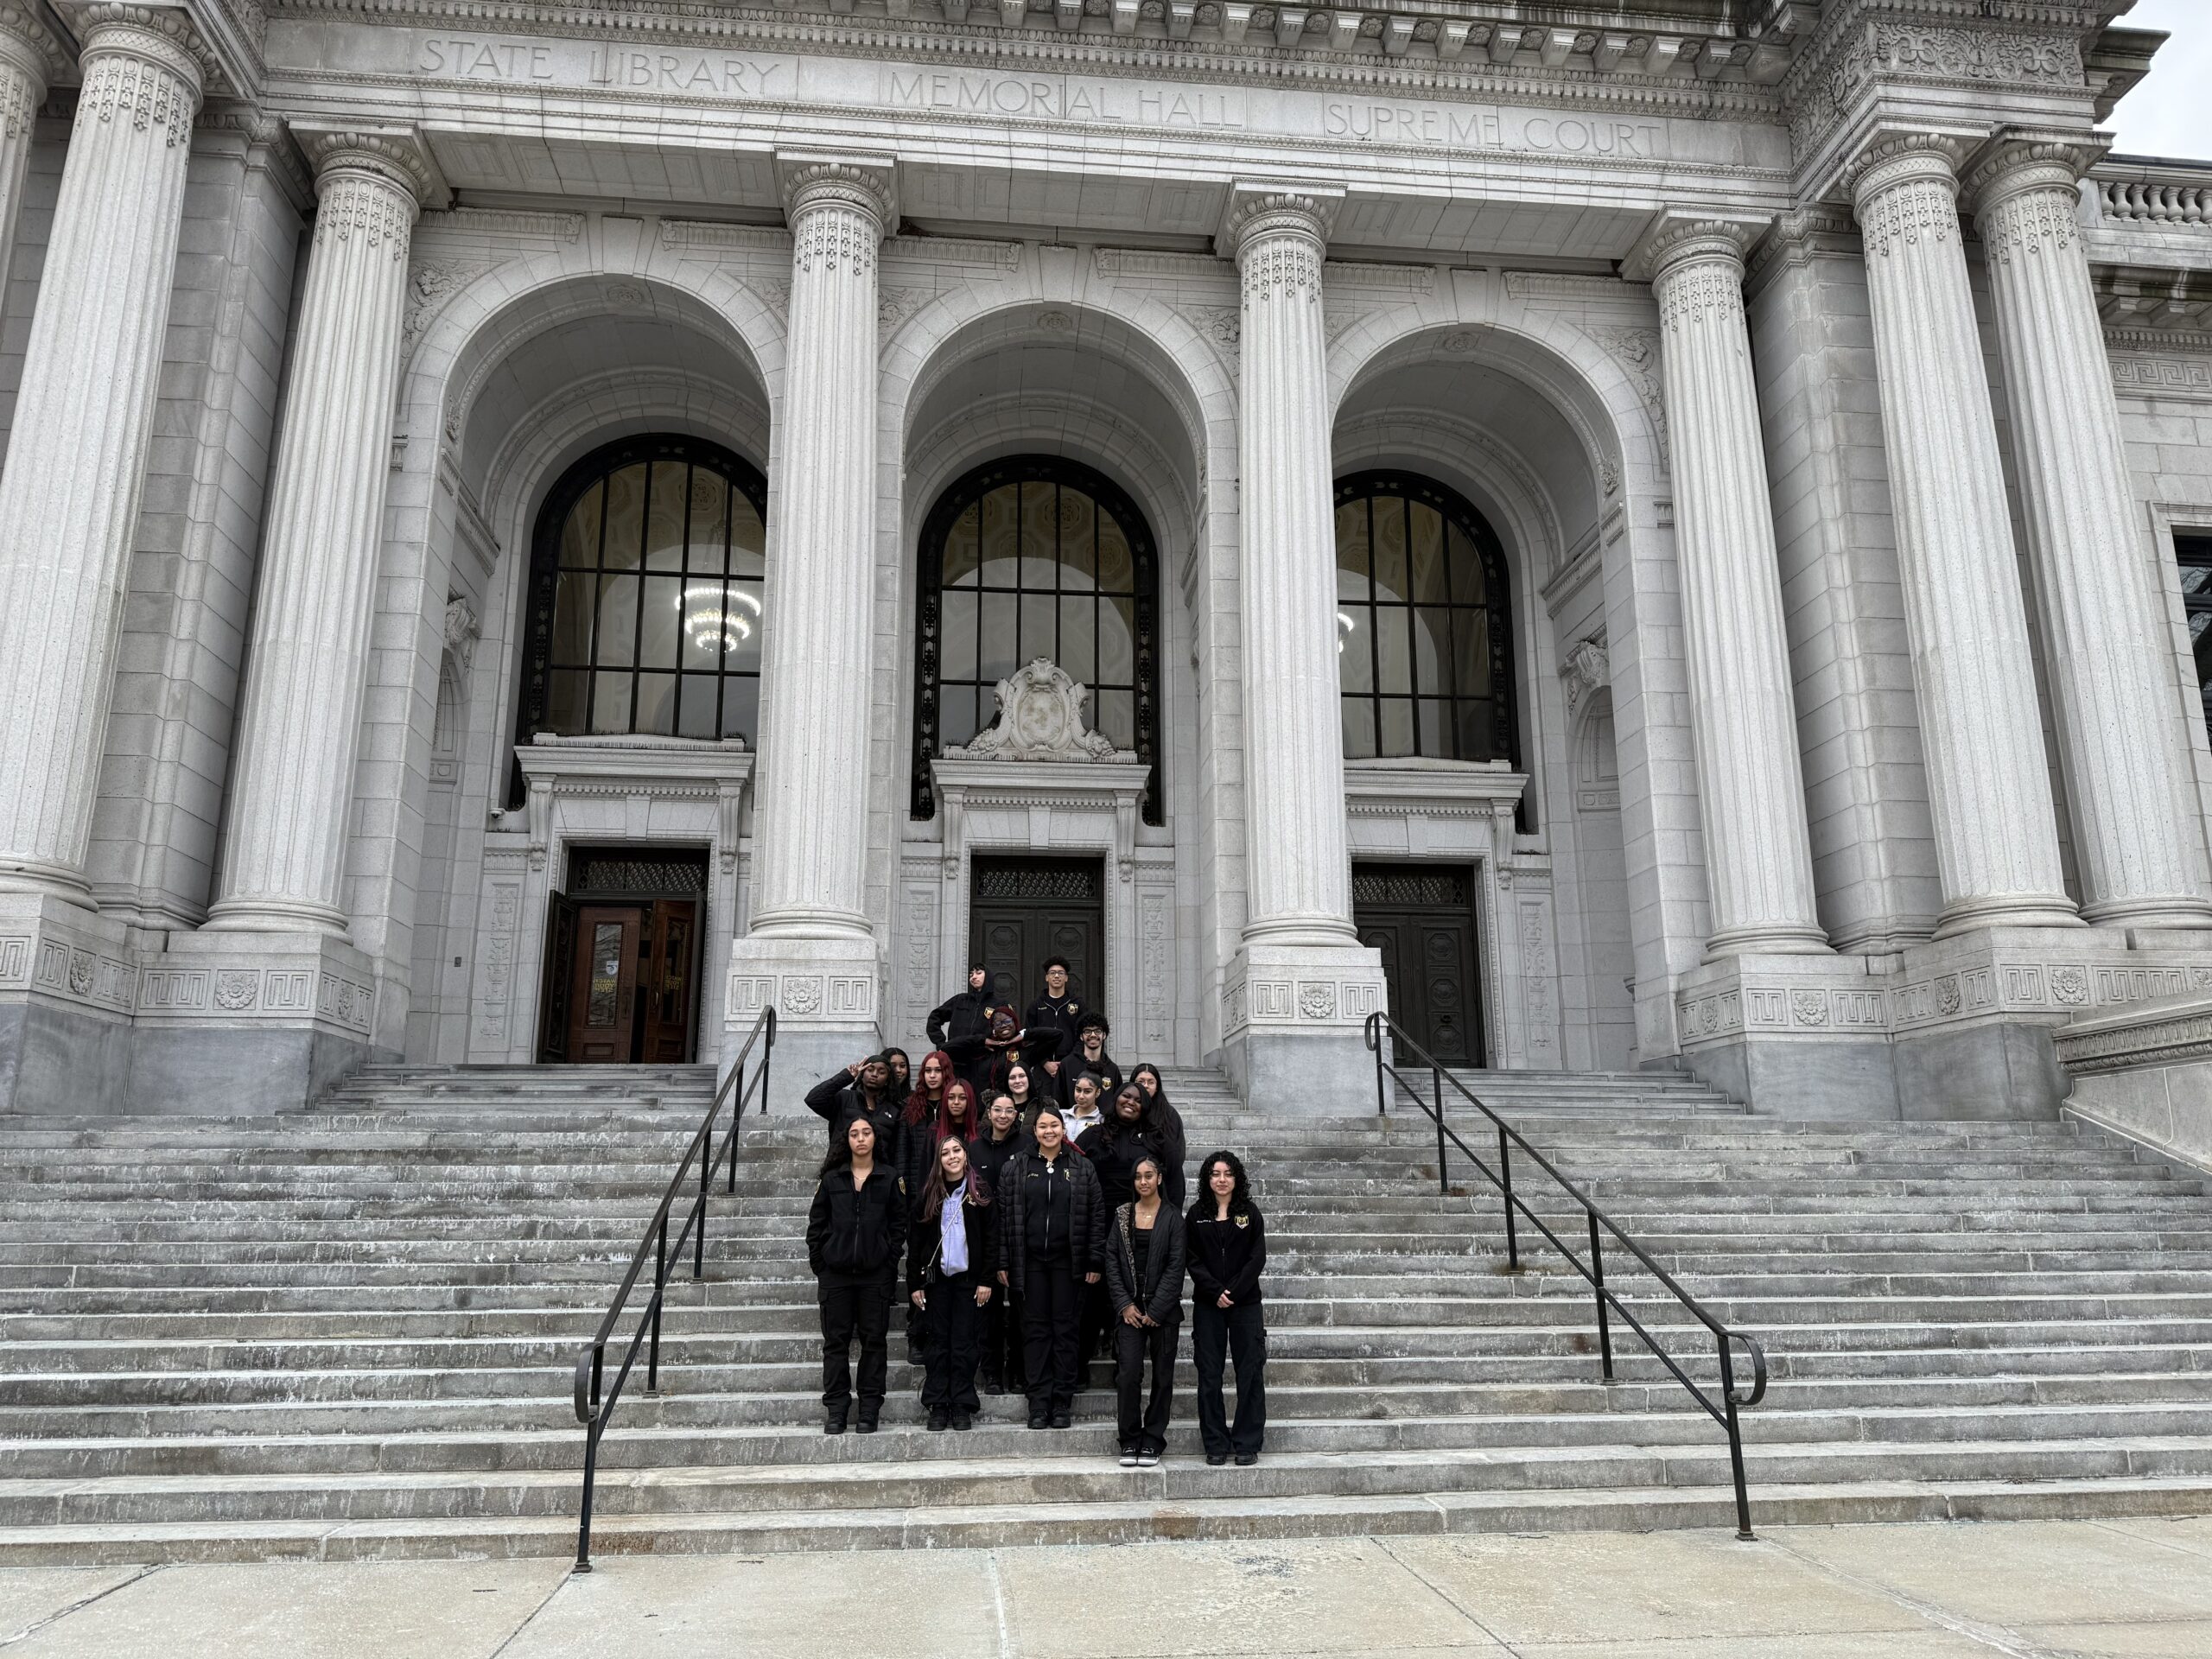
(349, 1333)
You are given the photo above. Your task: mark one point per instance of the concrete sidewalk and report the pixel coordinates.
(2035, 1590)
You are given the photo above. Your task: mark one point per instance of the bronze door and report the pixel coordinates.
(1421, 918)
(1022, 912)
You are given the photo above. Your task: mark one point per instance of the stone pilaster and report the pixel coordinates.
(810, 951)
(1996, 831)
(77, 446)
(1301, 965)
(2113, 704)
(29, 55)
(285, 847)
(1751, 784)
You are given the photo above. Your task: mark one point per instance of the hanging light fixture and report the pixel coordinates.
(718, 617)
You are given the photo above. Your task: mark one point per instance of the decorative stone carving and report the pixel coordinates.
(1588, 667)
(236, 989)
(463, 632)
(1040, 718)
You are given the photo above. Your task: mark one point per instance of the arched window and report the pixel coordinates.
(644, 610)
(1424, 624)
(1027, 557)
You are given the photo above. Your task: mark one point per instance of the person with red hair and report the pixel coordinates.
(919, 1130)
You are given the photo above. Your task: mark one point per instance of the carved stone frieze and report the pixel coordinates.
(1637, 350)
(429, 285)
(1040, 718)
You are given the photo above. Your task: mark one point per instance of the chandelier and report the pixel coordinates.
(718, 618)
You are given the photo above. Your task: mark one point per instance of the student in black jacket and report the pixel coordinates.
(951, 1272)
(1091, 1055)
(1051, 1227)
(1048, 1029)
(855, 1235)
(1004, 1371)
(1144, 1273)
(1227, 1245)
(957, 1025)
(862, 1090)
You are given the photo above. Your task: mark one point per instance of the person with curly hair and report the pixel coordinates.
(951, 1274)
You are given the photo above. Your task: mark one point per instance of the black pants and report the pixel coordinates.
(1003, 1362)
(1052, 1294)
(1095, 1326)
(853, 1307)
(1242, 1334)
(953, 1330)
(1133, 1346)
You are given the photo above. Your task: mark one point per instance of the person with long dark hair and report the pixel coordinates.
(1114, 1144)
(862, 1090)
(1227, 1244)
(855, 1233)
(1002, 1369)
(901, 1065)
(917, 1131)
(1019, 1083)
(1144, 1275)
(1160, 1114)
(957, 1025)
(951, 1272)
(1051, 1229)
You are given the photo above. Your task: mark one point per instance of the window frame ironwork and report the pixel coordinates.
(2193, 552)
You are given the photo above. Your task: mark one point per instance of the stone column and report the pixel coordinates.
(1302, 984)
(77, 446)
(1996, 832)
(810, 951)
(2113, 700)
(1751, 784)
(291, 791)
(29, 57)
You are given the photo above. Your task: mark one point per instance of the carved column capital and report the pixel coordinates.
(159, 37)
(866, 186)
(1895, 157)
(396, 156)
(1674, 241)
(2019, 161)
(1265, 212)
(31, 47)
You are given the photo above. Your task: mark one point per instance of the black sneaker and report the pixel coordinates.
(1039, 1419)
(940, 1420)
(961, 1422)
(833, 1425)
(1244, 1460)
(1147, 1459)
(1061, 1420)
(1129, 1456)
(866, 1426)
(1217, 1458)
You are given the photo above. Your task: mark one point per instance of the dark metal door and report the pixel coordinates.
(554, 984)
(1421, 918)
(1022, 912)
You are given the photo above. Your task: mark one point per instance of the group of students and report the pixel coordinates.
(1035, 1200)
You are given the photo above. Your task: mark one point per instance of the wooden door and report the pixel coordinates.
(602, 997)
(1421, 919)
(1023, 911)
(669, 997)
(558, 978)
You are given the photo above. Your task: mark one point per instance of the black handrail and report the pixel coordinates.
(1725, 1337)
(594, 1409)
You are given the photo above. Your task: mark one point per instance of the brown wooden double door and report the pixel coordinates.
(622, 968)
(1023, 911)
(1421, 918)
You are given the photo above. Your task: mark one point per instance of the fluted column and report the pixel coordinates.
(285, 849)
(1989, 791)
(28, 56)
(77, 447)
(2114, 704)
(1751, 784)
(818, 652)
(1301, 867)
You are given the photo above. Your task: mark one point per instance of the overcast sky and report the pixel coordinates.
(2170, 113)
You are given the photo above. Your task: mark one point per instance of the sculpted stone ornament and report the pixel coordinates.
(1040, 718)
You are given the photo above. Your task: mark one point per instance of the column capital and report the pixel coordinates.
(396, 156)
(163, 36)
(1894, 156)
(27, 42)
(1674, 239)
(2016, 160)
(1260, 210)
(867, 185)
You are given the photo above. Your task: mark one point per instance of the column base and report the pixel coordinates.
(68, 984)
(826, 993)
(1793, 1036)
(1293, 1024)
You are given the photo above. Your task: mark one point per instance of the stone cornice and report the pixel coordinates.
(397, 154)
(1677, 237)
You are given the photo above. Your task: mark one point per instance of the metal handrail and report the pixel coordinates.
(596, 1400)
(1725, 1337)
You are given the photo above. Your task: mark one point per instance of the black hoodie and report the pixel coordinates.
(856, 1234)
(957, 1026)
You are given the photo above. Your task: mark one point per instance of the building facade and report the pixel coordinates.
(1649, 536)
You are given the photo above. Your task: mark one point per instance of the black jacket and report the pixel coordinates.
(916, 1149)
(1086, 1212)
(1114, 1153)
(1075, 1065)
(924, 1243)
(857, 1234)
(1159, 1298)
(837, 1100)
(1048, 1033)
(957, 1025)
(1224, 1255)
(990, 1156)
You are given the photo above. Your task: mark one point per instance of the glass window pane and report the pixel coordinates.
(1432, 652)
(1426, 550)
(1475, 734)
(998, 564)
(1389, 547)
(1078, 645)
(711, 495)
(960, 548)
(1355, 646)
(748, 537)
(625, 517)
(601, 1001)
(1470, 640)
(741, 708)
(1117, 570)
(566, 691)
(1040, 632)
(741, 643)
(1352, 550)
(663, 614)
(1115, 714)
(956, 713)
(1393, 631)
(1394, 734)
(610, 703)
(580, 535)
(572, 606)
(1359, 728)
(614, 642)
(1040, 556)
(656, 705)
(1078, 541)
(994, 636)
(1434, 715)
(956, 651)
(668, 493)
(695, 705)
(1468, 587)
(1118, 636)
(706, 623)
